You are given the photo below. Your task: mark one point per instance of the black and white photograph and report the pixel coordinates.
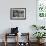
(18, 13)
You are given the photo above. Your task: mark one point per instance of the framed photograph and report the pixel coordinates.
(17, 13)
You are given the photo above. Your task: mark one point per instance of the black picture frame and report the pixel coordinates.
(17, 13)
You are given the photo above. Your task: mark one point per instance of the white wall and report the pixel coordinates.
(24, 25)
